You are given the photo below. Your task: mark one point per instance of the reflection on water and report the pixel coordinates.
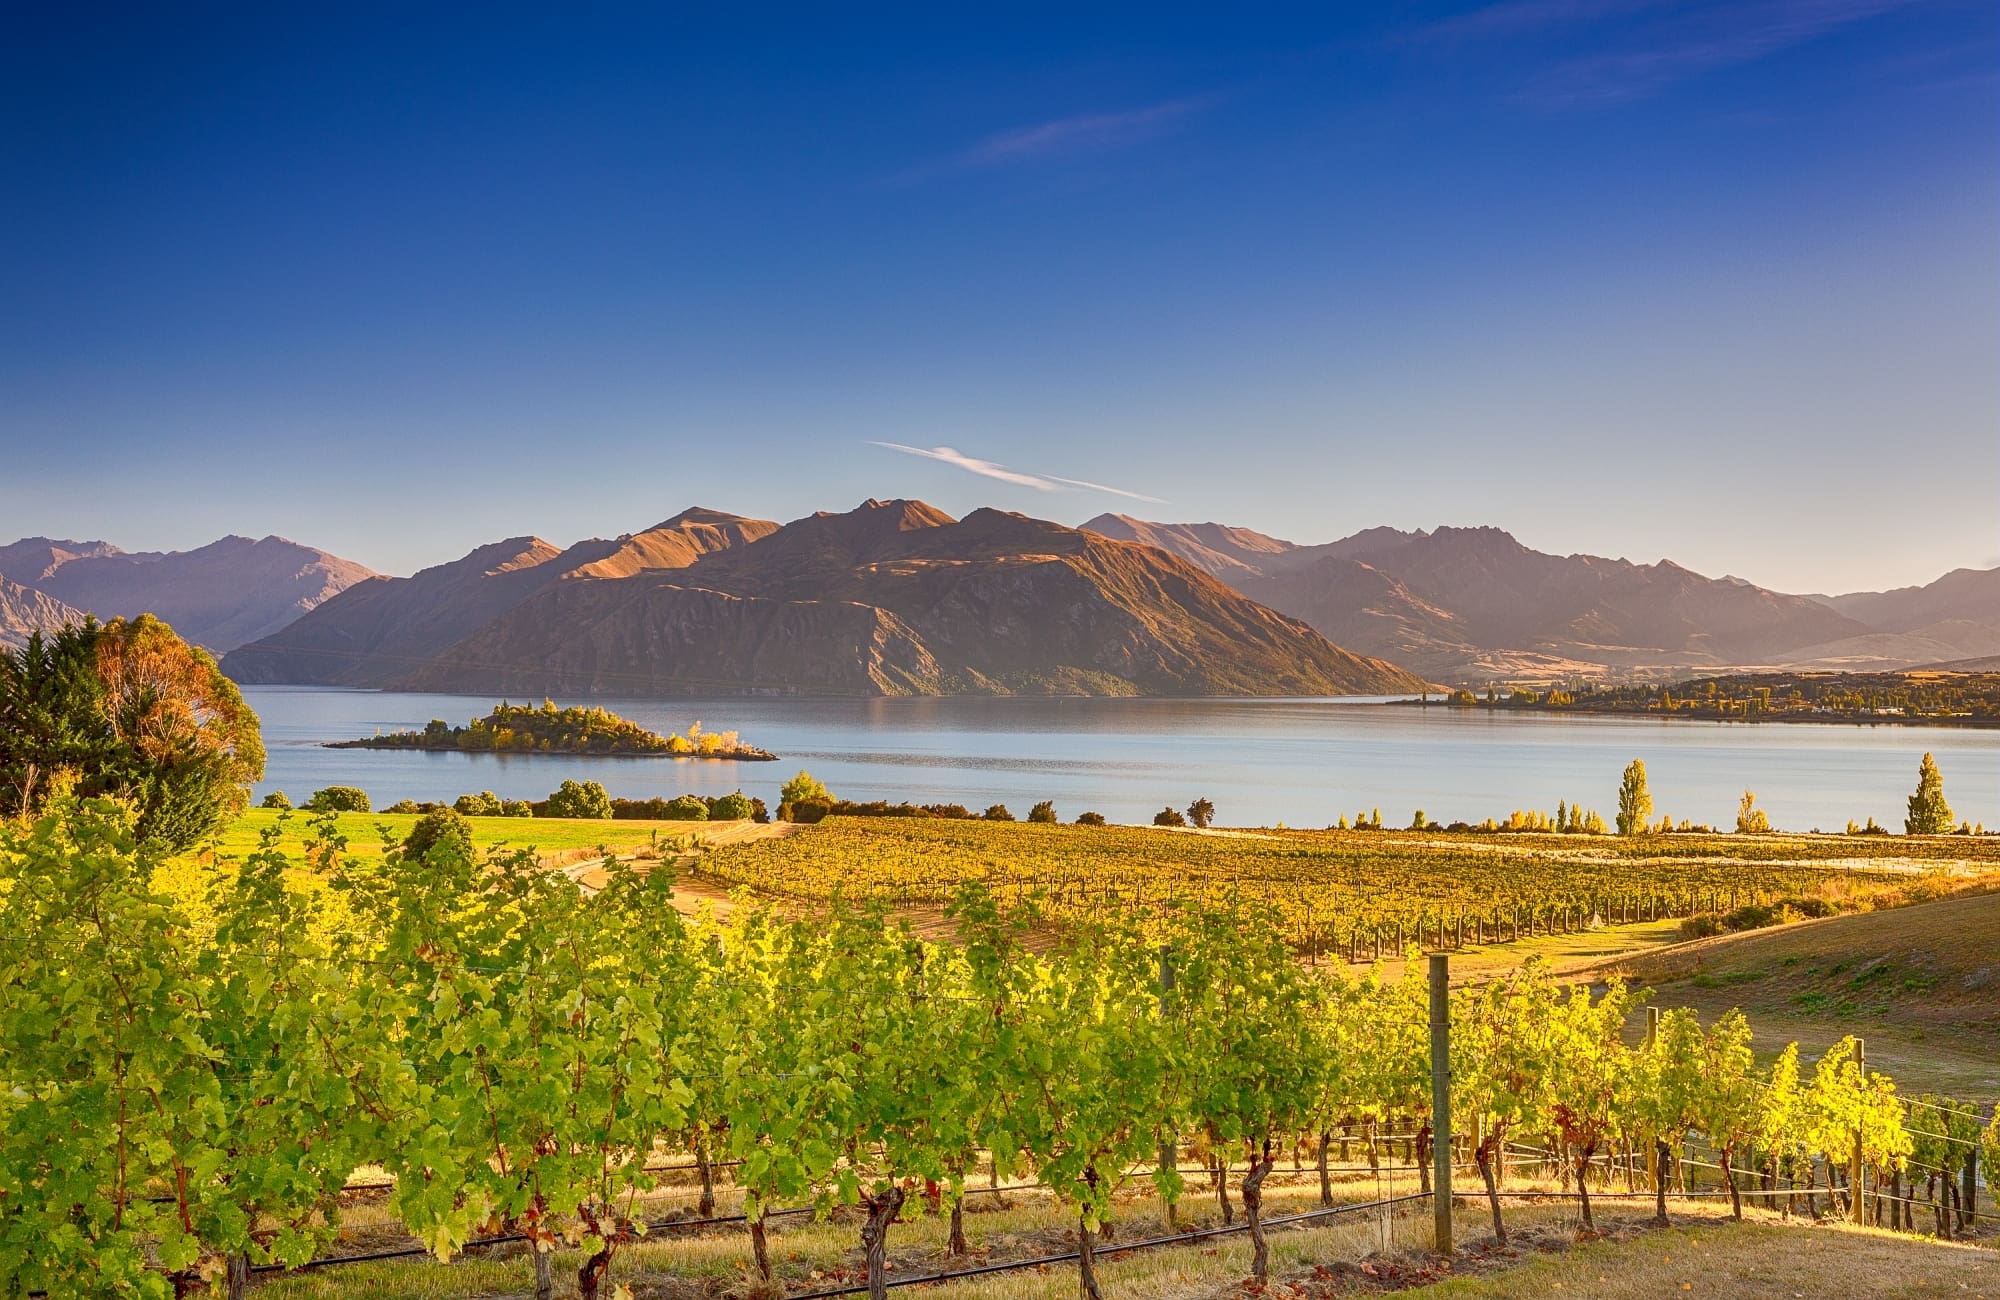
(1302, 762)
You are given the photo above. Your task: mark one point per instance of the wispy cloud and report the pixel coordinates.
(1081, 133)
(993, 470)
(1667, 44)
(1728, 37)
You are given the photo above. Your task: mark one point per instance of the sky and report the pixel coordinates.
(1715, 281)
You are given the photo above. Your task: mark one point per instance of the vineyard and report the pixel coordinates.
(1357, 894)
(191, 1076)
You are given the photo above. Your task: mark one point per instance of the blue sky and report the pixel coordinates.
(1715, 281)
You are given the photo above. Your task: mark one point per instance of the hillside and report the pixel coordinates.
(898, 598)
(1954, 618)
(1472, 604)
(218, 596)
(1922, 983)
(25, 611)
(387, 627)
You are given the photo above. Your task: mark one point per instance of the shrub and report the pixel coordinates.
(275, 799)
(732, 807)
(404, 806)
(516, 808)
(1090, 819)
(483, 804)
(339, 798)
(997, 813)
(805, 812)
(446, 828)
(1169, 817)
(585, 800)
(1201, 812)
(686, 808)
(1754, 916)
(1701, 925)
(1043, 813)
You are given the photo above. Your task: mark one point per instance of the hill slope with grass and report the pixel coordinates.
(1920, 983)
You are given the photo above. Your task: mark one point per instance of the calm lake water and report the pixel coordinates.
(1301, 762)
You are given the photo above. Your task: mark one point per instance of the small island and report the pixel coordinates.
(525, 729)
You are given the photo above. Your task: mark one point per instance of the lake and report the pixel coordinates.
(1300, 762)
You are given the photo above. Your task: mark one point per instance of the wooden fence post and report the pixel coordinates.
(1441, 1101)
(1170, 1142)
(1854, 1197)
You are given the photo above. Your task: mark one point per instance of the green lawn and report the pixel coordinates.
(365, 832)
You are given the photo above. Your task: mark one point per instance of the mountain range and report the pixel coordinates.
(892, 598)
(217, 596)
(1471, 605)
(898, 598)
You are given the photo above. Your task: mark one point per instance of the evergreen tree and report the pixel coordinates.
(1929, 813)
(1635, 803)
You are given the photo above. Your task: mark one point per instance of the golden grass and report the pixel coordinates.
(1750, 1259)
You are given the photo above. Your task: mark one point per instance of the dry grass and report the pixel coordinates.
(1751, 1259)
(1704, 1254)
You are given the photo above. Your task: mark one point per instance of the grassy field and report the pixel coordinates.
(546, 837)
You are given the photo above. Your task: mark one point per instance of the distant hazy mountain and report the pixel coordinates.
(893, 598)
(218, 596)
(1954, 618)
(1472, 604)
(25, 611)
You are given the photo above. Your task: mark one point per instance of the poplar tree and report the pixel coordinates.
(1929, 813)
(1635, 803)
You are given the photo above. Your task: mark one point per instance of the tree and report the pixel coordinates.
(586, 800)
(275, 799)
(1929, 813)
(1750, 819)
(446, 826)
(732, 807)
(997, 813)
(804, 788)
(130, 711)
(1635, 803)
(339, 798)
(483, 804)
(1200, 813)
(1090, 819)
(1169, 817)
(1043, 813)
(685, 808)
